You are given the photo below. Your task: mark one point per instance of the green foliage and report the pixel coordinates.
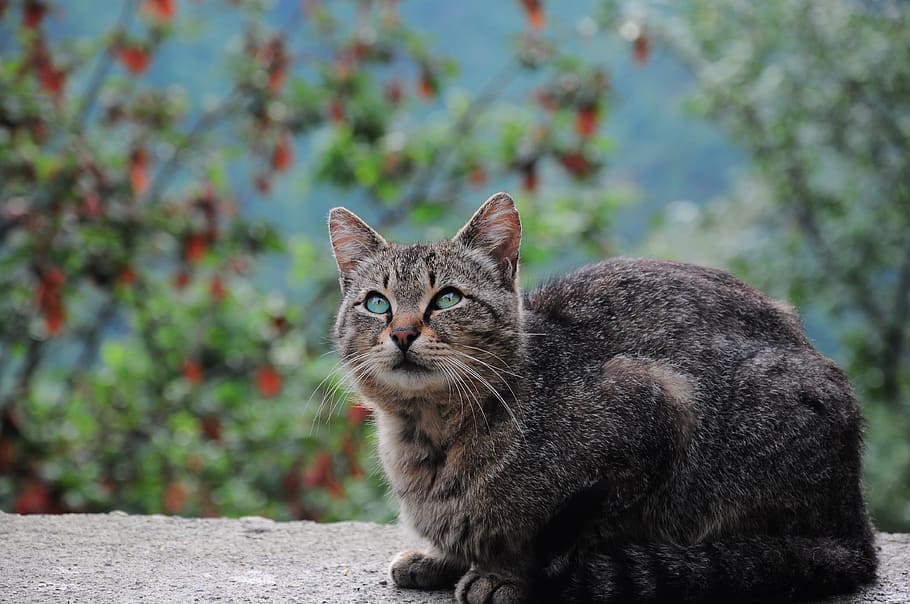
(814, 92)
(148, 361)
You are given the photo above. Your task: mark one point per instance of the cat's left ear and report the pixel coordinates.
(352, 240)
(495, 230)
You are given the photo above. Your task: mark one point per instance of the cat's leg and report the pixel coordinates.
(425, 570)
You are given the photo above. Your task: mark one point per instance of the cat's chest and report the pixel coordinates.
(415, 464)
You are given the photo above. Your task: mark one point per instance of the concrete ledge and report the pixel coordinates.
(118, 558)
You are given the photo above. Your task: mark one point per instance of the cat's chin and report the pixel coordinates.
(410, 377)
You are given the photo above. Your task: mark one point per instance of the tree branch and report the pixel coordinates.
(34, 354)
(462, 127)
(102, 68)
(206, 122)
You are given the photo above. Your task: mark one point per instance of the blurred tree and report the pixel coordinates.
(144, 365)
(819, 94)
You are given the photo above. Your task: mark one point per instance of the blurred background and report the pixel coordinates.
(166, 168)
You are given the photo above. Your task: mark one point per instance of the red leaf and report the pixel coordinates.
(359, 50)
(7, 452)
(357, 414)
(175, 497)
(394, 92)
(478, 175)
(33, 13)
(546, 99)
(576, 163)
(586, 120)
(427, 85)
(182, 278)
(92, 205)
(127, 275)
(321, 474)
(349, 447)
(290, 482)
(39, 131)
(321, 467)
(33, 499)
(534, 10)
(276, 79)
(211, 427)
(333, 487)
(51, 79)
(263, 183)
(277, 60)
(194, 247)
(192, 371)
(336, 110)
(280, 323)
(642, 47)
(139, 176)
(529, 177)
(217, 289)
(282, 155)
(160, 10)
(135, 58)
(268, 380)
(50, 300)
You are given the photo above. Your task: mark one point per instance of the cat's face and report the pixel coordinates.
(429, 320)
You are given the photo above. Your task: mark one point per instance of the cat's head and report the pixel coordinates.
(429, 319)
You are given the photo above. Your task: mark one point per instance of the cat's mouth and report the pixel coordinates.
(409, 366)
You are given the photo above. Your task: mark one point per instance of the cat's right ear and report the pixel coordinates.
(352, 241)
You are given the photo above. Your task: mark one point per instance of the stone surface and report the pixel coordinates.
(121, 558)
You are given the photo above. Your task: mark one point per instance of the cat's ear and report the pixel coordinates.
(496, 230)
(352, 240)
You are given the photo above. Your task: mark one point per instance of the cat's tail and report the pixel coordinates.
(782, 568)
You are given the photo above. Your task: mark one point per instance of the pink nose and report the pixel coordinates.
(404, 336)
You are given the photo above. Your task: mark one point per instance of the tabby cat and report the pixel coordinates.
(637, 430)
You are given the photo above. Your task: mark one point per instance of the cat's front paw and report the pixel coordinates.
(415, 569)
(489, 588)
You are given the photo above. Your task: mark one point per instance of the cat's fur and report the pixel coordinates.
(637, 430)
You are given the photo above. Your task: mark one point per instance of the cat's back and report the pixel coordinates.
(659, 308)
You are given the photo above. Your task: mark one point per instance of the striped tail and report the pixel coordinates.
(761, 568)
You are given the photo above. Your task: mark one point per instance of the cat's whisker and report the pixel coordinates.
(452, 381)
(354, 367)
(496, 393)
(458, 382)
(483, 381)
(507, 368)
(327, 393)
(366, 369)
(495, 369)
(457, 366)
(339, 366)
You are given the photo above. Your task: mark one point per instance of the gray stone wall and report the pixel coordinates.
(121, 558)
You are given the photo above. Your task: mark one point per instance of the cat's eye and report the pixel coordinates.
(377, 303)
(447, 298)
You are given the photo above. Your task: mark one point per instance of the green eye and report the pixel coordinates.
(377, 303)
(447, 299)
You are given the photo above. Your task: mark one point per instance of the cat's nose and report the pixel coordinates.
(405, 335)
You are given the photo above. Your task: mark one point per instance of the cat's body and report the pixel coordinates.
(636, 430)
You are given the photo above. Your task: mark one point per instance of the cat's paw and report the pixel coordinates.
(489, 588)
(415, 569)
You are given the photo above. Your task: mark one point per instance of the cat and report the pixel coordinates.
(637, 430)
